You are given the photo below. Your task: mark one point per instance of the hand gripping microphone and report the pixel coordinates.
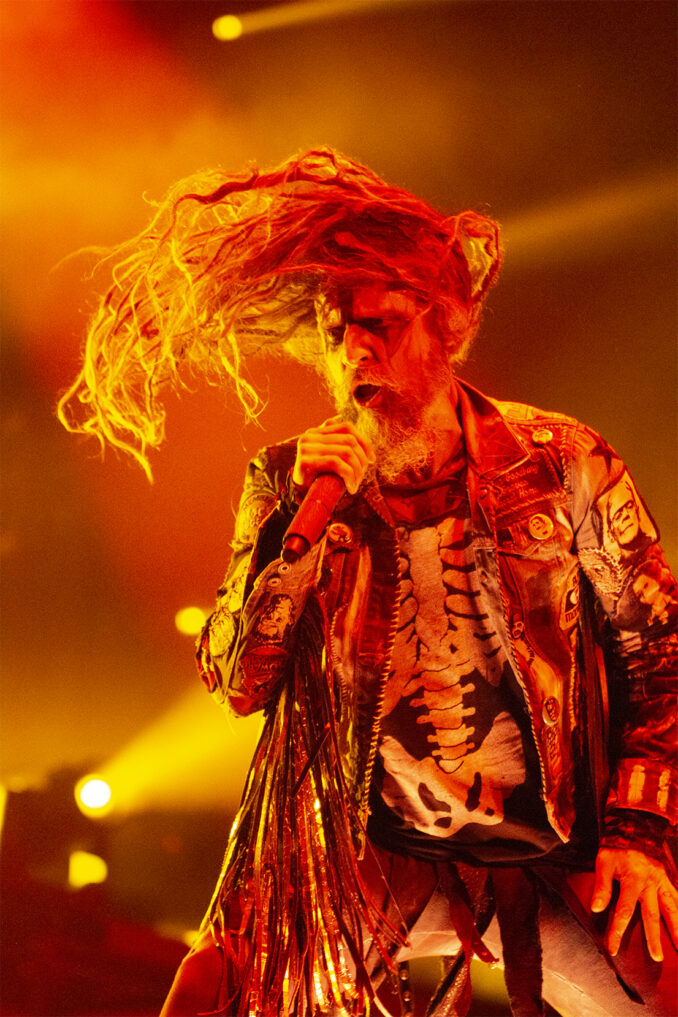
(312, 516)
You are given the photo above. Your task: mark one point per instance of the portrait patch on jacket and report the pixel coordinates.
(276, 620)
(254, 507)
(624, 526)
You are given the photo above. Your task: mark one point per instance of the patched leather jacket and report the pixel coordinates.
(568, 562)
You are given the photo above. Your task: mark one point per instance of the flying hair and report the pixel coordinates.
(231, 266)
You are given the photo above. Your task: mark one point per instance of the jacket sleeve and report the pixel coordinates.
(617, 543)
(243, 650)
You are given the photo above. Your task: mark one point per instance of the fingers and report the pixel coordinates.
(642, 880)
(649, 909)
(602, 888)
(622, 915)
(606, 870)
(333, 447)
(659, 900)
(668, 907)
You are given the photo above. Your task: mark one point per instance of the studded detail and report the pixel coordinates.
(542, 436)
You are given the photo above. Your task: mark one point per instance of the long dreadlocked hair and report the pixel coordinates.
(231, 265)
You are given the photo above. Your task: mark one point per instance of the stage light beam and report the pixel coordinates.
(192, 757)
(592, 223)
(298, 12)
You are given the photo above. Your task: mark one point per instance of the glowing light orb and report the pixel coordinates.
(85, 868)
(227, 27)
(93, 795)
(190, 620)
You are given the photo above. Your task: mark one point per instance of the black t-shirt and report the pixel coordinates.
(457, 769)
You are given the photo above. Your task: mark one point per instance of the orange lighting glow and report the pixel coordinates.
(193, 756)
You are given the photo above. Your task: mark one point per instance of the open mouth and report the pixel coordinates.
(365, 394)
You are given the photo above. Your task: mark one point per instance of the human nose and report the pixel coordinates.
(358, 347)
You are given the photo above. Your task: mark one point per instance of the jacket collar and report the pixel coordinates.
(491, 443)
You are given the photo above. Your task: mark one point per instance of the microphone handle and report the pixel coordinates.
(312, 516)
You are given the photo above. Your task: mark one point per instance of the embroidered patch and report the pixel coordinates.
(534, 477)
(263, 665)
(649, 596)
(222, 631)
(603, 570)
(624, 527)
(570, 608)
(254, 508)
(602, 449)
(276, 619)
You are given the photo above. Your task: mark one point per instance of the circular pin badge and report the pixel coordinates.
(340, 533)
(542, 436)
(550, 710)
(540, 526)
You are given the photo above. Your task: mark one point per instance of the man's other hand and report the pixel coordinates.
(642, 880)
(333, 447)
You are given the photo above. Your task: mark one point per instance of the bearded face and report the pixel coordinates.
(397, 423)
(389, 374)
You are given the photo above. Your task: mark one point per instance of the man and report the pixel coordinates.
(437, 747)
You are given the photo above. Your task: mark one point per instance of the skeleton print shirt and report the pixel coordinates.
(456, 759)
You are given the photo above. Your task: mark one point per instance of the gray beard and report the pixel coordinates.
(401, 434)
(403, 439)
(401, 448)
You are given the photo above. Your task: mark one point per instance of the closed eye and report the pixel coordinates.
(376, 326)
(388, 329)
(335, 335)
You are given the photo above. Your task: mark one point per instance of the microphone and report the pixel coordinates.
(312, 516)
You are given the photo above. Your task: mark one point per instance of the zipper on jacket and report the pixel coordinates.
(383, 678)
